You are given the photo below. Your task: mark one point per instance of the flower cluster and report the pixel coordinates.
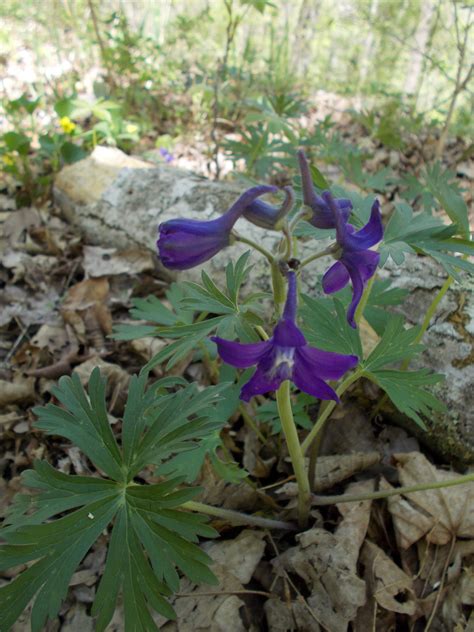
(185, 243)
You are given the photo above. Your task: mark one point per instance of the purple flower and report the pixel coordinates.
(286, 356)
(267, 216)
(185, 243)
(166, 154)
(356, 262)
(322, 214)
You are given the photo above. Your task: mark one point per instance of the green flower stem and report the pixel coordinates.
(317, 255)
(429, 315)
(294, 448)
(266, 253)
(328, 409)
(352, 498)
(279, 288)
(261, 332)
(288, 242)
(314, 449)
(236, 517)
(364, 299)
(304, 213)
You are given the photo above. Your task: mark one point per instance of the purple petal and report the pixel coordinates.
(287, 334)
(306, 381)
(325, 364)
(306, 180)
(357, 290)
(239, 206)
(366, 262)
(339, 222)
(260, 383)
(324, 216)
(184, 245)
(370, 234)
(335, 278)
(241, 355)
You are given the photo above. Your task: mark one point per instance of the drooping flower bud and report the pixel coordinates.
(268, 216)
(185, 243)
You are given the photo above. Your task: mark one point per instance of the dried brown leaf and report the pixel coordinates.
(450, 511)
(389, 585)
(331, 470)
(19, 390)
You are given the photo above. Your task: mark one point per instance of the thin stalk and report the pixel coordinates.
(294, 448)
(261, 332)
(364, 299)
(288, 242)
(304, 213)
(328, 410)
(353, 498)
(279, 288)
(251, 423)
(236, 517)
(266, 253)
(429, 315)
(317, 255)
(314, 450)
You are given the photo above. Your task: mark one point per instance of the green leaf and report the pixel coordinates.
(396, 344)
(52, 526)
(424, 234)
(448, 196)
(407, 392)
(17, 142)
(268, 413)
(325, 326)
(381, 297)
(84, 421)
(318, 178)
(71, 153)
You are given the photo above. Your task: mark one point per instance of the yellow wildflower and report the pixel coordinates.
(131, 129)
(67, 125)
(8, 160)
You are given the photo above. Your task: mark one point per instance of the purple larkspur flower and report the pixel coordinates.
(356, 262)
(266, 215)
(286, 356)
(185, 243)
(322, 214)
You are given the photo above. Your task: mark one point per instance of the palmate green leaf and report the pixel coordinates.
(405, 388)
(396, 344)
(424, 234)
(446, 193)
(407, 392)
(187, 323)
(325, 326)
(155, 311)
(52, 526)
(381, 297)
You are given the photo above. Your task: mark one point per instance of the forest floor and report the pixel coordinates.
(396, 565)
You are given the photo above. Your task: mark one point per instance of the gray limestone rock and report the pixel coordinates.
(118, 201)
